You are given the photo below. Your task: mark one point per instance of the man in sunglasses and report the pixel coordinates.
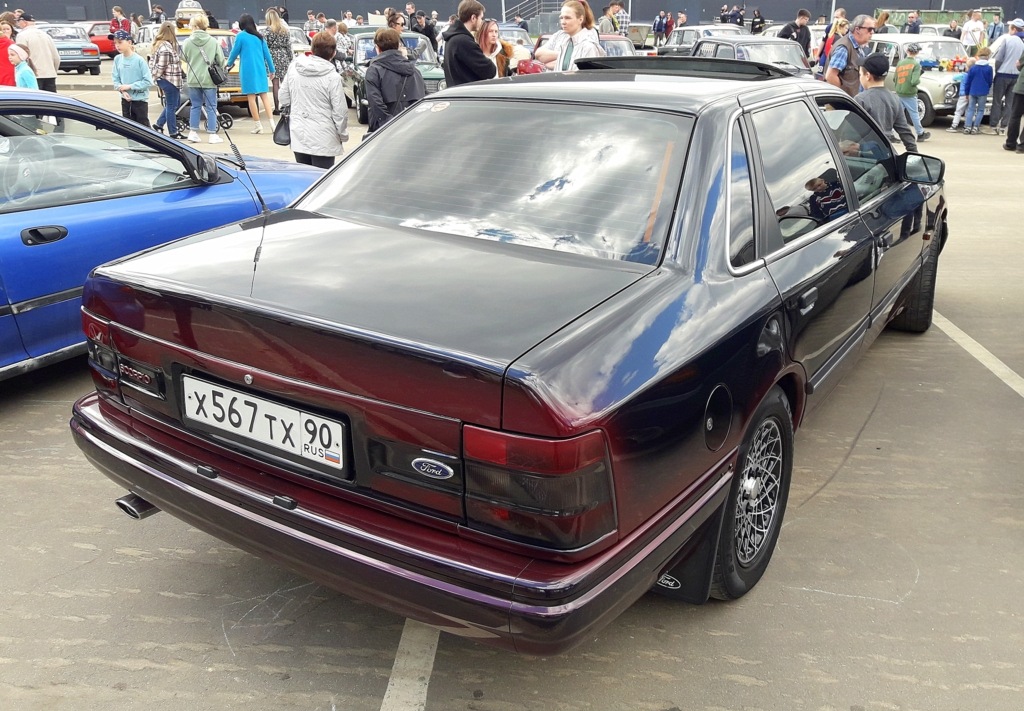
(848, 53)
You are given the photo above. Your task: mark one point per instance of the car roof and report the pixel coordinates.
(745, 39)
(667, 83)
(908, 38)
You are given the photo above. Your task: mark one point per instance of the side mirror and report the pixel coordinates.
(917, 168)
(204, 169)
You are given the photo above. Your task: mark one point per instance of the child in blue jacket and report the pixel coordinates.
(977, 85)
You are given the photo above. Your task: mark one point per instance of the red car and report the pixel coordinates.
(99, 35)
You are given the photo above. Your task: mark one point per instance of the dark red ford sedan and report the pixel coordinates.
(509, 391)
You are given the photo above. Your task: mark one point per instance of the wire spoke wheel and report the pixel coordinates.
(752, 515)
(758, 493)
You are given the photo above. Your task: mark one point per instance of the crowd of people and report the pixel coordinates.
(308, 88)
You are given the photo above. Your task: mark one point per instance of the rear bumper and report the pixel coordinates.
(448, 586)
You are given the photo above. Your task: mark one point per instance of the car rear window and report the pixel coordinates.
(599, 181)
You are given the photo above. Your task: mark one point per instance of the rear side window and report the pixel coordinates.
(803, 181)
(741, 203)
(598, 181)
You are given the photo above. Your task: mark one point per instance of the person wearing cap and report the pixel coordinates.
(885, 109)
(132, 79)
(847, 53)
(42, 50)
(1006, 52)
(908, 78)
(420, 26)
(23, 74)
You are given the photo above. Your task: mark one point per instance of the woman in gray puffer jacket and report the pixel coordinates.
(316, 107)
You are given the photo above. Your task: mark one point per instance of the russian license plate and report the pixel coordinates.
(274, 426)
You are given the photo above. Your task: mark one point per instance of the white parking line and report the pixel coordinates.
(410, 676)
(1000, 369)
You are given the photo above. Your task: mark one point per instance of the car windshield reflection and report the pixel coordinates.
(556, 177)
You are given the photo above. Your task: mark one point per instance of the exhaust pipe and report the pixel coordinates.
(136, 506)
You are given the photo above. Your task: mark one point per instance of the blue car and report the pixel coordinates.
(80, 186)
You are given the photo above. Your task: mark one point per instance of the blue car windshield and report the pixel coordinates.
(600, 181)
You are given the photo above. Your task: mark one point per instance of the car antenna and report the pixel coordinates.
(234, 149)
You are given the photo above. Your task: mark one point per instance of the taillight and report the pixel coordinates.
(555, 493)
(102, 358)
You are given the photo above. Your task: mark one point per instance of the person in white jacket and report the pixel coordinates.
(576, 40)
(312, 96)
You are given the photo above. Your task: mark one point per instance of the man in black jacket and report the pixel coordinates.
(797, 30)
(464, 61)
(421, 26)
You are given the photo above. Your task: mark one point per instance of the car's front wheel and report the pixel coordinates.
(925, 110)
(757, 499)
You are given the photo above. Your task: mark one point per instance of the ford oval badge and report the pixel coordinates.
(432, 468)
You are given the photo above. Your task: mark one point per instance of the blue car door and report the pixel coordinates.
(82, 190)
(11, 349)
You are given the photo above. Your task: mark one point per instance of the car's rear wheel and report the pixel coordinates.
(916, 316)
(757, 499)
(925, 110)
(362, 114)
(94, 71)
(81, 70)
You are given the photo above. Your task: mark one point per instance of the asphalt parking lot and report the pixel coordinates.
(896, 586)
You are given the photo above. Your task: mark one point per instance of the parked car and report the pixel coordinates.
(301, 44)
(817, 36)
(77, 52)
(99, 34)
(516, 36)
(938, 92)
(82, 186)
(354, 74)
(680, 41)
(508, 402)
(613, 45)
(783, 53)
(228, 93)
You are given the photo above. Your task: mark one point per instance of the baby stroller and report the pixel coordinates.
(224, 120)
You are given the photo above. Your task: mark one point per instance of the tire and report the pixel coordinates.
(94, 71)
(362, 111)
(225, 120)
(925, 109)
(916, 316)
(81, 70)
(757, 499)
